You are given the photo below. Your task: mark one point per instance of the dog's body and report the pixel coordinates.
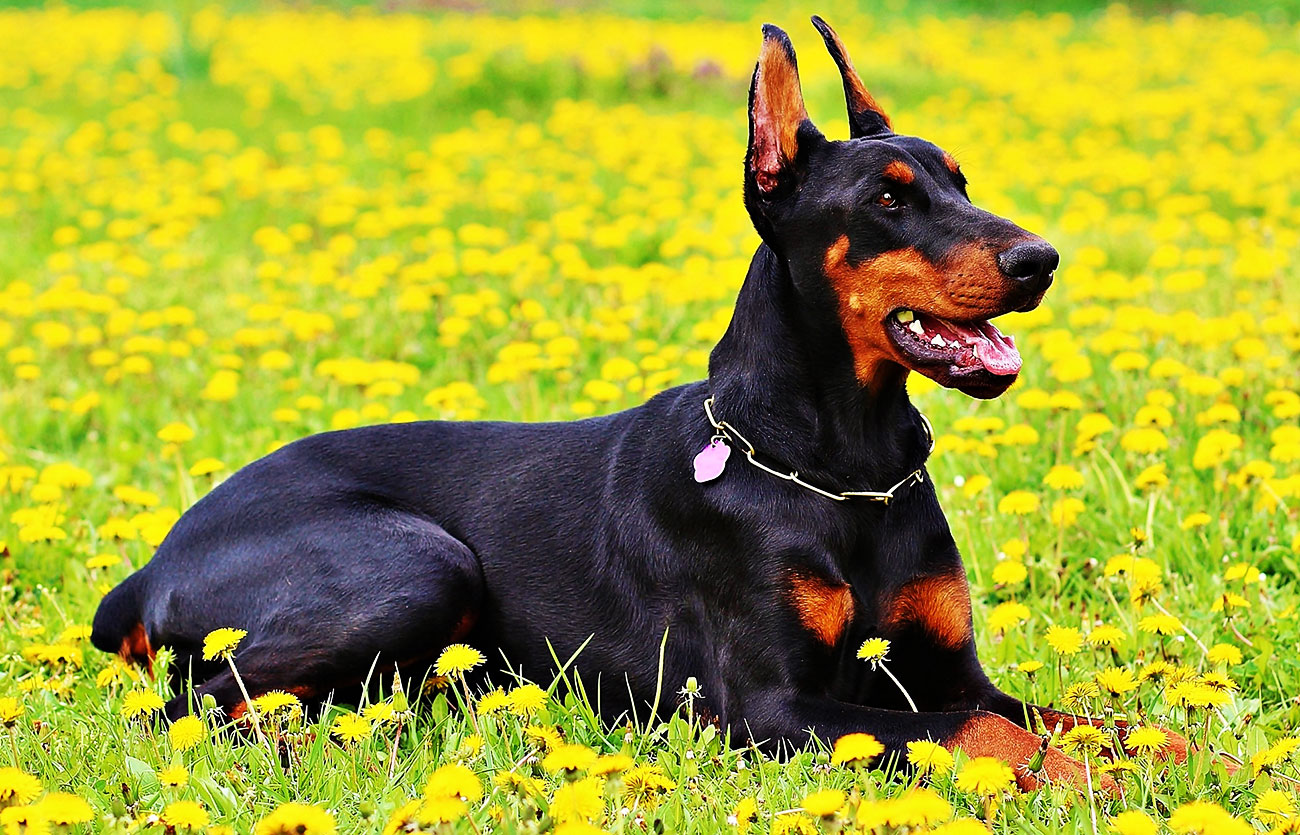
(352, 552)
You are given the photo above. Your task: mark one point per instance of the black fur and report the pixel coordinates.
(388, 542)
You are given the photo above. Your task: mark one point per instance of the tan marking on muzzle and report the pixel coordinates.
(966, 285)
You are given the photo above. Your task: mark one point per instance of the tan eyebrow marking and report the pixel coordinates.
(900, 171)
(950, 162)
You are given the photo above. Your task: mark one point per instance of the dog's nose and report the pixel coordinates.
(1031, 263)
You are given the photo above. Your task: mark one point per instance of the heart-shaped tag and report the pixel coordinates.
(711, 460)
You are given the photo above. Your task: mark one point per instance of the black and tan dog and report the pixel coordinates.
(389, 542)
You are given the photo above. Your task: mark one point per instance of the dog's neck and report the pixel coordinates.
(783, 375)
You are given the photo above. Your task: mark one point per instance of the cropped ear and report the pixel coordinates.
(866, 116)
(776, 116)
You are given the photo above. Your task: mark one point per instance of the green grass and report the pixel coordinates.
(616, 222)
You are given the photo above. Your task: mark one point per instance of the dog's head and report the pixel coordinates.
(880, 228)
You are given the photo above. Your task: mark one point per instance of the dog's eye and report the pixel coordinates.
(889, 201)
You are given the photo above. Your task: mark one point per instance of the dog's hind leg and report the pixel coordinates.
(374, 591)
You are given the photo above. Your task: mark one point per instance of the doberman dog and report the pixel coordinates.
(370, 548)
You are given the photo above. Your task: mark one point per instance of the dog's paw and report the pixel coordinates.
(990, 735)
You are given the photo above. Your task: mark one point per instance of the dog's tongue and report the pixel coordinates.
(992, 349)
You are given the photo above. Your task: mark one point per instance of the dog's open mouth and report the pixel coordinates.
(972, 356)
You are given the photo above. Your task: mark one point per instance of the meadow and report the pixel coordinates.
(224, 230)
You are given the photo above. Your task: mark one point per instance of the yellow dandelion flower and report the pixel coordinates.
(458, 659)
(100, 561)
(1133, 822)
(187, 732)
(222, 642)
(1225, 654)
(1078, 697)
(1064, 640)
(526, 700)
(793, 824)
(1009, 572)
(975, 485)
(1160, 624)
(607, 764)
(1192, 521)
(492, 702)
(1029, 667)
(1201, 817)
(454, 780)
(1107, 636)
(206, 466)
(963, 826)
(350, 728)
(546, 737)
(184, 814)
(579, 800)
(1145, 740)
(141, 703)
(569, 757)
(17, 787)
(11, 710)
(745, 814)
(1152, 478)
(176, 433)
(1018, 503)
(873, 650)
(380, 712)
(1007, 615)
(296, 819)
(1116, 681)
(276, 702)
(985, 776)
(645, 783)
(824, 803)
(175, 776)
(1063, 477)
(1084, 741)
(856, 750)
(65, 809)
(1274, 808)
(926, 756)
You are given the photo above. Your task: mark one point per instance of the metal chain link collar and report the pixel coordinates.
(728, 433)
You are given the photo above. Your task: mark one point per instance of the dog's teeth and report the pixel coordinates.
(938, 341)
(905, 316)
(915, 327)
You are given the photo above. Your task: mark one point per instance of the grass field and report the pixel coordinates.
(223, 231)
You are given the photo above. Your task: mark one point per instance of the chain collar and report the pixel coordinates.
(726, 433)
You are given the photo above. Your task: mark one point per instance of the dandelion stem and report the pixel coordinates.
(13, 745)
(248, 703)
(900, 687)
(1240, 636)
(1092, 801)
(1189, 632)
(392, 758)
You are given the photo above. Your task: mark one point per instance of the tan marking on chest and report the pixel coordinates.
(825, 608)
(940, 605)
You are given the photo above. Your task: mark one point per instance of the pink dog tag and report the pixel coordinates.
(711, 460)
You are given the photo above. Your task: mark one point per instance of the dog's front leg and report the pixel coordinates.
(1023, 714)
(795, 717)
